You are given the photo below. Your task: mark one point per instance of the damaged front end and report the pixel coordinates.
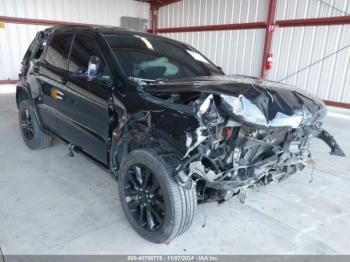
(249, 132)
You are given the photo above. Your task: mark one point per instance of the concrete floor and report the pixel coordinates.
(54, 204)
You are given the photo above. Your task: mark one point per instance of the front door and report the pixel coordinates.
(85, 106)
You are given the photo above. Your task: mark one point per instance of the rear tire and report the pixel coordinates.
(176, 211)
(32, 134)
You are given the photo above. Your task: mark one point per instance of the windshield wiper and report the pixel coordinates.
(161, 80)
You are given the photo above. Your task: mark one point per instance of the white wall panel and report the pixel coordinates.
(212, 12)
(14, 41)
(298, 9)
(297, 48)
(236, 51)
(15, 38)
(104, 12)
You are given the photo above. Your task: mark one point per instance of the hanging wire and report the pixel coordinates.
(331, 6)
(2, 255)
(313, 168)
(205, 220)
(314, 63)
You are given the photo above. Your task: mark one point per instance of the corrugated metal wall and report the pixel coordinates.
(15, 38)
(14, 41)
(298, 9)
(236, 51)
(294, 49)
(212, 12)
(105, 12)
(240, 52)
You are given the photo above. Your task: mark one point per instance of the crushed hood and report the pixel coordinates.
(251, 100)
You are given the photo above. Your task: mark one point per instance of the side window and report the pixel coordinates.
(38, 52)
(58, 50)
(83, 48)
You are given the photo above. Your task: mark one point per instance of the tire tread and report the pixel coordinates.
(184, 199)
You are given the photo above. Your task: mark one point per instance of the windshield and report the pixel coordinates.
(156, 58)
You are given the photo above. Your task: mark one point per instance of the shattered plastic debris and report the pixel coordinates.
(249, 133)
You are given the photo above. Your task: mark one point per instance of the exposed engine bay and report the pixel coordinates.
(248, 136)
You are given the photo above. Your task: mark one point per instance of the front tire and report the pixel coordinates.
(32, 134)
(157, 207)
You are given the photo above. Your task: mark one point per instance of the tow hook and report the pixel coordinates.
(72, 149)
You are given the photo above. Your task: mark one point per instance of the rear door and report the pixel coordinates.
(84, 103)
(52, 74)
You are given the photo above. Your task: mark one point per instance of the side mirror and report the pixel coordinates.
(93, 68)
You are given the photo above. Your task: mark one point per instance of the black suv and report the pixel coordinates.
(167, 122)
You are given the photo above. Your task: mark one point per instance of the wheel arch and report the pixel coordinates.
(138, 136)
(23, 93)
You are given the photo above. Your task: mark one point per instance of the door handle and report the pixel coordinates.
(55, 93)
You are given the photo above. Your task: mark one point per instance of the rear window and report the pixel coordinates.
(58, 50)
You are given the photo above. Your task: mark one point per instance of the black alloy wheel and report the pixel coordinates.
(27, 124)
(144, 197)
(156, 206)
(33, 135)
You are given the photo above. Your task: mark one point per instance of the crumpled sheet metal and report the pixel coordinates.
(273, 104)
(243, 109)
